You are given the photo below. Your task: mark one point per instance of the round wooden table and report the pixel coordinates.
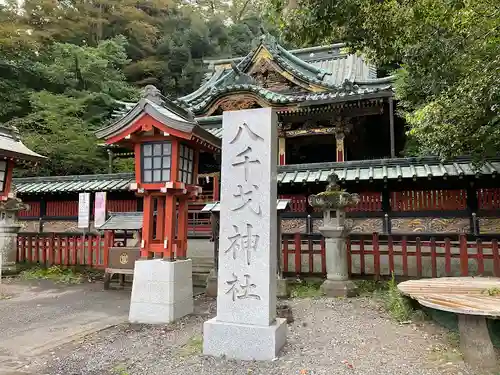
(473, 299)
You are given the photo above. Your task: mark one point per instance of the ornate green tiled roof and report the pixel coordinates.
(352, 171)
(342, 76)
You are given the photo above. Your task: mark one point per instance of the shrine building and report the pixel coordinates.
(336, 114)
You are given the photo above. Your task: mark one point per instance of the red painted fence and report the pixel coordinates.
(304, 254)
(408, 256)
(61, 249)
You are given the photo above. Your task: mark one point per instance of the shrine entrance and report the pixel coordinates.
(311, 149)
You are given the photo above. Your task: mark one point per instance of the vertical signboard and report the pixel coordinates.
(83, 210)
(99, 209)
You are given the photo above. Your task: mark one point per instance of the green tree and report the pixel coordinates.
(446, 55)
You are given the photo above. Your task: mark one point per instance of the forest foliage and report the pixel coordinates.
(64, 64)
(445, 55)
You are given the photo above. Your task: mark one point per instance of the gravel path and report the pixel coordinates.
(329, 336)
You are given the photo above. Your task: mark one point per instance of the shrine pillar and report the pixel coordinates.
(281, 150)
(339, 137)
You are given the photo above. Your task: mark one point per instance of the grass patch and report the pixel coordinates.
(369, 287)
(120, 370)
(492, 292)
(56, 274)
(398, 306)
(193, 347)
(306, 289)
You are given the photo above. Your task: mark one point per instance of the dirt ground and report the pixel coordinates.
(328, 336)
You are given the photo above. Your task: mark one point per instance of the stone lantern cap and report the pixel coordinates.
(333, 198)
(12, 147)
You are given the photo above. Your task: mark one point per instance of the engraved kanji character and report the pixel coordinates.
(241, 291)
(251, 133)
(246, 199)
(246, 161)
(243, 242)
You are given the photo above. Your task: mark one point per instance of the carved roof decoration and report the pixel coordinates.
(169, 114)
(11, 146)
(322, 73)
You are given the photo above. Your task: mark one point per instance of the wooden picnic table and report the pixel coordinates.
(473, 299)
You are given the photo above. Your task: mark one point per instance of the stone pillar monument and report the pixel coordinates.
(333, 202)
(9, 227)
(246, 326)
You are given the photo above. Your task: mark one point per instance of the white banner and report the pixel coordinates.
(83, 210)
(100, 209)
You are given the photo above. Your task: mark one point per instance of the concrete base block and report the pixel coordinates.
(162, 291)
(337, 288)
(476, 346)
(281, 288)
(242, 341)
(211, 288)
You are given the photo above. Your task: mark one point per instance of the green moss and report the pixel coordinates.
(54, 273)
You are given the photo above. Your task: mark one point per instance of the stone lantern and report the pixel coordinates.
(333, 202)
(12, 152)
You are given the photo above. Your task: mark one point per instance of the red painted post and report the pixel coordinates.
(362, 256)
(323, 255)
(29, 255)
(433, 257)
(67, 244)
(83, 240)
(50, 250)
(74, 257)
(285, 255)
(418, 254)
(404, 252)
(44, 251)
(90, 251)
(480, 257)
(390, 247)
(464, 257)
(496, 258)
(447, 256)
(37, 249)
(59, 249)
(298, 259)
(349, 258)
(376, 256)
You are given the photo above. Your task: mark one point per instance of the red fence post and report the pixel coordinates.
(418, 254)
(390, 247)
(298, 260)
(50, 250)
(480, 257)
(90, 252)
(67, 243)
(404, 252)
(44, 251)
(83, 241)
(376, 256)
(36, 251)
(464, 257)
(29, 255)
(74, 257)
(496, 258)
(433, 257)
(447, 256)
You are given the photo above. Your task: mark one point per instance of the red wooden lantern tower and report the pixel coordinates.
(167, 142)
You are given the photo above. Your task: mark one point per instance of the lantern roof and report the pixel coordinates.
(11, 146)
(170, 117)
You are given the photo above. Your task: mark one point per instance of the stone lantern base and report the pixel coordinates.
(339, 288)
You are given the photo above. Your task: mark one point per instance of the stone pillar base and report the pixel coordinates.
(162, 291)
(10, 269)
(211, 288)
(338, 288)
(242, 341)
(281, 288)
(475, 344)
